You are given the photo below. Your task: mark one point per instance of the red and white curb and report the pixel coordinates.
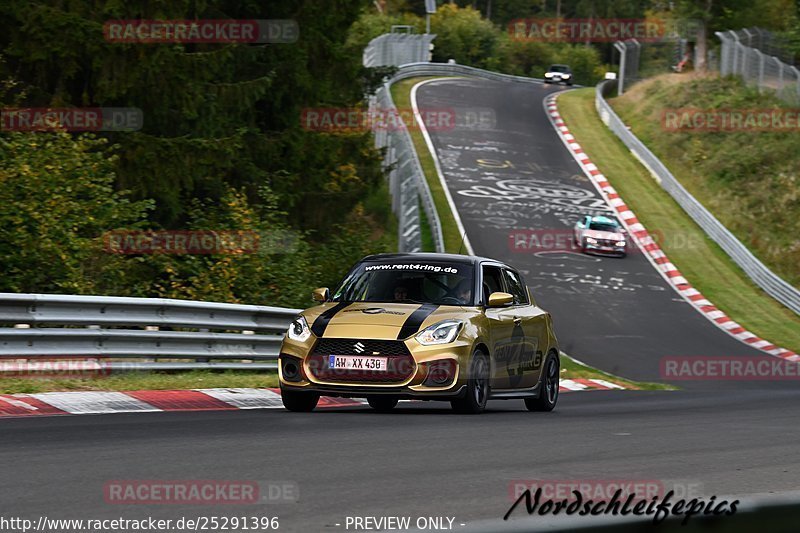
(149, 401)
(652, 251)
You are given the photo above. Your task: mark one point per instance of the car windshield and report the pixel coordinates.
(559, 68)
(604, 226)
(408, 282)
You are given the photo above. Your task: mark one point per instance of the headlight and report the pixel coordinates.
(298, 330)
(591, 240)
(620, 243)
(548, 75)
(566, 75)
(442, 332)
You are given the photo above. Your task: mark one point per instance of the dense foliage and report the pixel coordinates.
(222, 148)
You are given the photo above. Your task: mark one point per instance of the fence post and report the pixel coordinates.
(633, 72)
(796, 81)
(749, 37)
(622, 57)
(780, 74)
(736, 44)
(724, 53)
(760, 70)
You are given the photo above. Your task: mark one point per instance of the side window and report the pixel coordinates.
(492, 281)
(515, 287)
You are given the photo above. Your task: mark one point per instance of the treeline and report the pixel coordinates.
(477, 32)
(465, 35)
(221, 148)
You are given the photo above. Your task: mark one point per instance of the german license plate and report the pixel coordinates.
(357, 362)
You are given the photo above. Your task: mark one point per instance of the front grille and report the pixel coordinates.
(400, 364)
(384, 348)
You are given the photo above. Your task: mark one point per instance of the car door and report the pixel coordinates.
(530, 324)
(501, 326)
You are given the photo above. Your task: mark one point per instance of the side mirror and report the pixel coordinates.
(321, 295)
(499, 299)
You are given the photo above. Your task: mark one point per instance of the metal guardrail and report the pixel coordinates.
(755, 269)
(100, 327)
(452, 69)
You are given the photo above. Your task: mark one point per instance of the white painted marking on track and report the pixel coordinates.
(608, 384)
(246, 398)
(572, 385)
(18, 403)
(94, 402)
(437, 165)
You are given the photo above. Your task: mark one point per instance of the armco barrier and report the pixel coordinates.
(755, 269)
(65, 326)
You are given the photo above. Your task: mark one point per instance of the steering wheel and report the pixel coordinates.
(452, 299)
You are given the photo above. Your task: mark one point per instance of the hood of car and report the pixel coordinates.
(377, 320)
(609, 235)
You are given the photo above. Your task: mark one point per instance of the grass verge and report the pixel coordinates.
(699, 259)
(197, 379)
(401, 94)
(572, 369)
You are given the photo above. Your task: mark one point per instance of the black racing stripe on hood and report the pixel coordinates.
(415, 320)
(321, 323)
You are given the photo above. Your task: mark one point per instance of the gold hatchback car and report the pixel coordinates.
(426, 326)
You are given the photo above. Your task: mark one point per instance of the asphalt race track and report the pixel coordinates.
(423, 460)
(515, 175)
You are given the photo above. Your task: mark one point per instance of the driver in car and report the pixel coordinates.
(400, 293)
(464, 291)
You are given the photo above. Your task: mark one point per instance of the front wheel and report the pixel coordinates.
(382, 404)
(299, 401)
(474, 401)
(548, 394)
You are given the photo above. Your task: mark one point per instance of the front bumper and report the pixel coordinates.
(403, 393)
(413, 383)
(606, 250)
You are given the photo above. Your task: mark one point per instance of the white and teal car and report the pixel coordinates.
(602, 235)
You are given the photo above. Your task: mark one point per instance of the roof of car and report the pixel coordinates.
(603, 219)
(429, 256)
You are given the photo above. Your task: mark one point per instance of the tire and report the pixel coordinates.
(583, 246)
(548, 394)
(382, 404)
(477, 393)
(299, 401)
